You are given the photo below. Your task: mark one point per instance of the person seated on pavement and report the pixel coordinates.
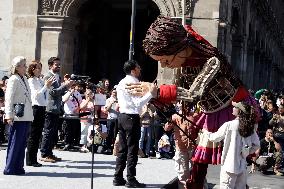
(164, 146)
(99, 134)
(277, 124)
(269, 155)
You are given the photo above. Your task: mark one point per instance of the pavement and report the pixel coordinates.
(74, 171)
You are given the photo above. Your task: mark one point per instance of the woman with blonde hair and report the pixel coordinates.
(18, 113)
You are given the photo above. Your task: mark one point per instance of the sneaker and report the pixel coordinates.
(84, 150)
(119, 182)
(158, 155)
(36, 164)
(47, 159)
(134, 184)
(278, 173)
(141, 153)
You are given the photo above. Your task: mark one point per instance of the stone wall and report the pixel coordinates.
(248, 32)
(17, 30)
(6, 13)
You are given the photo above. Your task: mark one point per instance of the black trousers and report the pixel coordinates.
(2, 130)
(49, 134)
(35, 134)
(112, 131)
(72, 130)
(129, 134)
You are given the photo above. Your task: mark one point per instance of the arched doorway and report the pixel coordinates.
(102, 39)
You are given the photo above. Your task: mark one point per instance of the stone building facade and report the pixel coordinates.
(249, 32)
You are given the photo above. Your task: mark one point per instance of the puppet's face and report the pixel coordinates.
(172, 61)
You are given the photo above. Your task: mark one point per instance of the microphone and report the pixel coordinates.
(75, 77)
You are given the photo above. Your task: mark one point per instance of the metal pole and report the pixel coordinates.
(183, 2)
(132, 31)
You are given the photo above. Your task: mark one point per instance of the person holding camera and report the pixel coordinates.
(53, 110)
(86, 106)
(112, 109)
(268, 155)
(96, 137)
(72, 100)
(19, 115)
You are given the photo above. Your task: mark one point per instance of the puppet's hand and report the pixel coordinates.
(184, 94)
(141, 88)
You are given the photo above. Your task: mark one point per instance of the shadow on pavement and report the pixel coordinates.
(81, 166)
(210, 185)
(154, 185)
(67, 175)
(173, 184)
(98, 162)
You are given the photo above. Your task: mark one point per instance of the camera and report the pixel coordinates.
(80, 78)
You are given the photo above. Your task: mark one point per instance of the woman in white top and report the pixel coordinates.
(39, 91)
(87, 105)
(18, 113)
(240, 140)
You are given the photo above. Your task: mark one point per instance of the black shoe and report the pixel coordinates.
(134, 184)
(36, 164)
(119, 182)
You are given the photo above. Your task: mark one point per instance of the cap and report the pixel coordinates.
(240, 106)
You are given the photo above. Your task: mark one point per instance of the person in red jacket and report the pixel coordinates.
(210, 83)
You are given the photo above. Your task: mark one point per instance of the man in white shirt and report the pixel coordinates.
(72, 100)
(129, 126)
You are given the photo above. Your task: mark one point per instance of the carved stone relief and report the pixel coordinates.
(63, 7)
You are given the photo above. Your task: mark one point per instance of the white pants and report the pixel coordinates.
(183, 166)
(232, 181)
(84, 132)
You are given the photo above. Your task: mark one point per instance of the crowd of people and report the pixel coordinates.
(133, 120)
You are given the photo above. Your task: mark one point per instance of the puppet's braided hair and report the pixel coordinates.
(167, 36)
(247, 120)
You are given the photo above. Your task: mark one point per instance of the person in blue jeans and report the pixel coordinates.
(147, 120)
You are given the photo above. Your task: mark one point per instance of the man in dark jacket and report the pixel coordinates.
(53, 108)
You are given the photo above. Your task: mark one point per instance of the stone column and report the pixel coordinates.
(6, 26)
(256, 70)
(250, 67)
(66, 45)
(260, 78)
(269, 74)
(55, 37)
